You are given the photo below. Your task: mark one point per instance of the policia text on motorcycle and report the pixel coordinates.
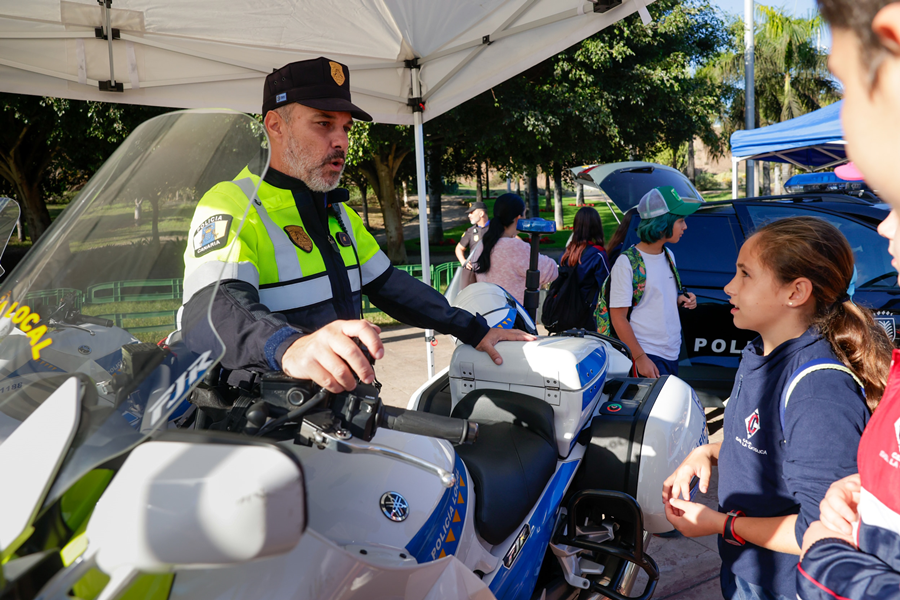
(291, 293)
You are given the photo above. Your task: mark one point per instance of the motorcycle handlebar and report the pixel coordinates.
(457, 431)
(95, 321)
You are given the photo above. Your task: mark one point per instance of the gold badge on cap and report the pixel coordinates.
(337, 71)
(299, 237)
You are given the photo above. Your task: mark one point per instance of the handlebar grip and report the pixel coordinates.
(457, 431)
(95, 321)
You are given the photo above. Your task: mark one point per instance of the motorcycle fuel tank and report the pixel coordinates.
(390, 511)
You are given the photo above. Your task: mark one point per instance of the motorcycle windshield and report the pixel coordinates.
(9, 216)
(103, 287)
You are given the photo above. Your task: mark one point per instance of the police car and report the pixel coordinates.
(707, 253)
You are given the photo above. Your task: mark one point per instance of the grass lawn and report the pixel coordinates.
(556, 240)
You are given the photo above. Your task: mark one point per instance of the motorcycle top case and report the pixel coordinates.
(566, 372)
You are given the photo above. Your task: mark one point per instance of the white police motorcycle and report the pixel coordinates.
(128, 473)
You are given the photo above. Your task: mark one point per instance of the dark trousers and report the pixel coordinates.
(666, 367)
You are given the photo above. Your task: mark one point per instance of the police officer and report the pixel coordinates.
(479, 220)
(290, 296)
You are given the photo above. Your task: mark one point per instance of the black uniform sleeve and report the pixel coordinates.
(833, 569)
(255, 338)
(410, 301)
(466, 240)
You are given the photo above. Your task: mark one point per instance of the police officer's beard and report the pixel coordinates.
(315, 174)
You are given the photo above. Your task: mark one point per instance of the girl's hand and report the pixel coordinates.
(838, 510)
(645, 367)
(688, 301)
(693, 519)
(697, 464)
(818, 531)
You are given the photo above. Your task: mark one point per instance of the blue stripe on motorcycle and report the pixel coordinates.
(439, 536)
(519, 580)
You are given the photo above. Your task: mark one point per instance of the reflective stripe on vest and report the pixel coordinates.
(301, 294)
(373, 267)
(211, 272)
(286, 260)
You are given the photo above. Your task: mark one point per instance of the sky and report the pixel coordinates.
(797, 8)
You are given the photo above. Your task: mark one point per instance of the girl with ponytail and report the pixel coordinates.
(503, 258)
(801, 399)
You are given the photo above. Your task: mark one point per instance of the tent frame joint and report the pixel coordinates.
(412, 63)
(486, 40)
(110, 86)
(417, 104)
(101, 35)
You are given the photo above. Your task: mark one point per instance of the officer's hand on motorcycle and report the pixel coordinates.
(331, 358)
(838, 509)
(501, 335)
(697, 464)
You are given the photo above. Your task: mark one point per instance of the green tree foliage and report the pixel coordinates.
(48, 145)
(625, 93)
(378, 151)
(791, 70)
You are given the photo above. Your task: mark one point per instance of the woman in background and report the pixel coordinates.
(503, 257)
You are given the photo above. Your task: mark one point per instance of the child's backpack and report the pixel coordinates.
(563, 307)
(817, 364)
(638, 282)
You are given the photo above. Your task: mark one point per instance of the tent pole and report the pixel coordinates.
(734, 177)
(749, 89)
(423, 203)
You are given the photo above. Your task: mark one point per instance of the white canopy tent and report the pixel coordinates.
(410, 60)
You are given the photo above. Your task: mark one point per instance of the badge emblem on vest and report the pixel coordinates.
(343, 239)
(337, 72)
(299, 237)
(211, 234)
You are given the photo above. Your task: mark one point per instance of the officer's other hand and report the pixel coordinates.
(501, 335)
(331, 358)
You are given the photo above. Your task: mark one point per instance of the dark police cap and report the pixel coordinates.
(317, 83)
(478, 205)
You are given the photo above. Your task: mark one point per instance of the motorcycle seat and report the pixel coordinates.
(511, 461)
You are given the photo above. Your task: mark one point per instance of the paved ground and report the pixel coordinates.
(689, 568)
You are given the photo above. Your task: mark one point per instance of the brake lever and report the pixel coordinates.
(344, 442)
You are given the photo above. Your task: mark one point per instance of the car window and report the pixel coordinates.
(873, 263)
(707, 245)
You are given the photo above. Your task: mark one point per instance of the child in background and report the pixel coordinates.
(853, 551)
(587, 256)
(652, 330)
(785, 440)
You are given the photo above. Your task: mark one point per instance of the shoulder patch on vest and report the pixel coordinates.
(211, 234)
(299, 237)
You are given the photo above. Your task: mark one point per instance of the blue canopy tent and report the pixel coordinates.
(812, 142)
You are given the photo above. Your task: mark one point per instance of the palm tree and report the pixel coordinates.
(791, 70)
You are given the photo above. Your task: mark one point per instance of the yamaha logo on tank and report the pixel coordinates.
(394, 506)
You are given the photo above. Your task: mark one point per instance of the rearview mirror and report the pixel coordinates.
(177, 505)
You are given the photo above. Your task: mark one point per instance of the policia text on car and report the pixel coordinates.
(293, 277)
